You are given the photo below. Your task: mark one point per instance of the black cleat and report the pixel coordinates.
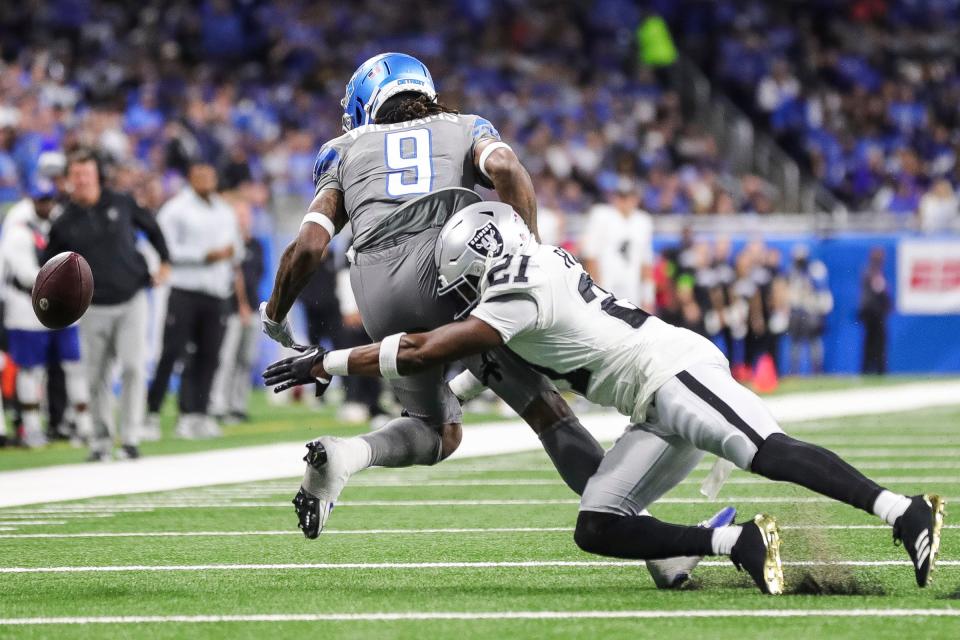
(128, 452)
(309, 514)
(99, 456)
(918, 529)
(758, 552)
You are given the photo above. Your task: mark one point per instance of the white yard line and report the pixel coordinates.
(427, 483)
(267, 462)
(196, 504)
(353, 566)
(352, 532)
(670, 614)
(378, 532)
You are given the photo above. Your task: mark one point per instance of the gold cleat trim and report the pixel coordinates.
(772, 564)
(937, 505)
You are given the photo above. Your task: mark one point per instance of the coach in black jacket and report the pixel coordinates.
(101, 225)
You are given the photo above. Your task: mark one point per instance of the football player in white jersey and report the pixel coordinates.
(674, 385)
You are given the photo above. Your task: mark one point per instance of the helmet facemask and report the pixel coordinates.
(467, 290)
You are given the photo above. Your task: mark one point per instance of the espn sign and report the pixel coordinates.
(928, 277)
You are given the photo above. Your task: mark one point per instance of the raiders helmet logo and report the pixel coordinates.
(487, 241)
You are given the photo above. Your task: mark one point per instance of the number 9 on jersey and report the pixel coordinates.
(409, 160)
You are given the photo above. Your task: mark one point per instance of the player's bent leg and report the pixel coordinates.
(754, 546)
(427, 433)
(331, 461)
(573, 450)
(706, 406)
(637, 471)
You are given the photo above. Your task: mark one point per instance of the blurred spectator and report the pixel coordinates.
(101, 225)
(874, 308)
(205, 248)
(31, 345)
(865, 98)
(333, 320)
(617, 246)
(938, 208)
(810, 301)
(232, 384)
(254, 87)
(363, 393)
(778, 88)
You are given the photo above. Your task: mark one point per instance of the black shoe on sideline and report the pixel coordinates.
(128, 452)
(99, 456)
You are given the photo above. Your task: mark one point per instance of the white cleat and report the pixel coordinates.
(324, 479)
(673, 573)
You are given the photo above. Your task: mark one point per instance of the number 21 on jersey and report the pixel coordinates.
(407, 155)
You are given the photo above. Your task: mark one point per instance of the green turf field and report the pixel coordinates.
(501, 530)
(296, 422)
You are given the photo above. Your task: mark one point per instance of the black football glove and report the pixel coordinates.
(295, 371)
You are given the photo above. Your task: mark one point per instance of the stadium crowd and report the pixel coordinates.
(249, 90)
(864, 93)
(255, 87)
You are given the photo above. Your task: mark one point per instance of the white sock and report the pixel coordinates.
(84, 422)
(31, 421)
(724, 538)
(890, 506)
(356, 453)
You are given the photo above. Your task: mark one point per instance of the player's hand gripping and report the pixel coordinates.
(278, 331)
(297, 370)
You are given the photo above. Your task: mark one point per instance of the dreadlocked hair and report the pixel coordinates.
(409, 105)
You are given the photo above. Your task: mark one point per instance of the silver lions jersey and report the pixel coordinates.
(392, 175)
(550, 313)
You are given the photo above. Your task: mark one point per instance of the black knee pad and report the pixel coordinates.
(590, 529)
(776, 455)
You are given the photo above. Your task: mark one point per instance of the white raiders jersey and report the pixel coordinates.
(550, 313)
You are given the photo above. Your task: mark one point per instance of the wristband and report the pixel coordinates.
(389, 348)
(320, 219)
(490, 148)
(335, 362)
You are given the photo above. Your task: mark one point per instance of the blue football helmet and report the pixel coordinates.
(378, 79)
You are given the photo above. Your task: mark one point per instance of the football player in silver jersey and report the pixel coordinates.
(403, 166)
(674, 385)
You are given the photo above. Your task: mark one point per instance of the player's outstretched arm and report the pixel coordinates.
(302, 257)
(510, 179)
(411, 353)
(393, 357)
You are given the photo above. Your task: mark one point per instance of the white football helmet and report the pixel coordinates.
(471, 240)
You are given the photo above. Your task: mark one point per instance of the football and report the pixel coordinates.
(63, 290)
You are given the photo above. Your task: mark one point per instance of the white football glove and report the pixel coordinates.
(278, 331)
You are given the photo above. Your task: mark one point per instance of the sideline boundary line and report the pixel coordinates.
(492, 615)
(519, 564)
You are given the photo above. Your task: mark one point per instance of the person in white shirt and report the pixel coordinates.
(31, 345)
(617, 246)
(232, 383)
(777, 88)
(939, 209)
(205, 246)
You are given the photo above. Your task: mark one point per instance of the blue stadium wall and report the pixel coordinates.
(916, 343)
